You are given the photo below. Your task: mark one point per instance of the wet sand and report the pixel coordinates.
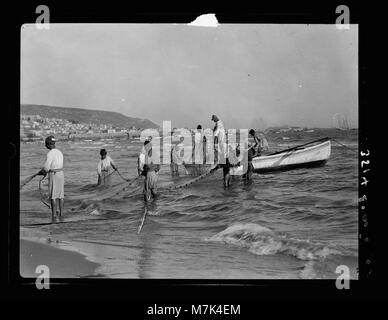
(61, 263)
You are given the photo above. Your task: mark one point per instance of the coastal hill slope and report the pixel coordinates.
(86, 116)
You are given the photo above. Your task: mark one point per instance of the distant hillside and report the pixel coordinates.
(86, 116)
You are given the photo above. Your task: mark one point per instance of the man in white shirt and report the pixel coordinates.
(198, 154)
(54, 168)
(103, 168)
(219, 140)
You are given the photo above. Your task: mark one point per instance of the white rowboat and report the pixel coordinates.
(300, 156)
(312, 154)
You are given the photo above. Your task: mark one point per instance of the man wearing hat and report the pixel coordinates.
(103, 168)
(54, 168)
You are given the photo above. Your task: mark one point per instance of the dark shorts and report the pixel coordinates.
(248, 174)
(225, 166)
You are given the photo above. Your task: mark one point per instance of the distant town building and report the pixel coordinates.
(35, 127)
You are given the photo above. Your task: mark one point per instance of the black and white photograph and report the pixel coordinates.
(189, 151)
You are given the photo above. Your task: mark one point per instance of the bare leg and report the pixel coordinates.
(227, 179)
(249, 173)
(53, 209)
(147, 194)
(145, 189)
(61, 207)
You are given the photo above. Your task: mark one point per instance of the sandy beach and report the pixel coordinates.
(62, 263)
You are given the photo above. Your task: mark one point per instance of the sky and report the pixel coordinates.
(249, 75)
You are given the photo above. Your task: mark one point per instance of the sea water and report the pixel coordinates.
(295, 224)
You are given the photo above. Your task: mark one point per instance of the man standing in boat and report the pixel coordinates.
(149, 170)
(54, 168)
(103, 168)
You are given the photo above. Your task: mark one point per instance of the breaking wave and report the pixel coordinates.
(263, 241)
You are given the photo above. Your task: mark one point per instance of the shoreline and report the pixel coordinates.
(73, 139)
(63, 261)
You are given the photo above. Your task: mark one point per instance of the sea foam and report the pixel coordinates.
(261, 240)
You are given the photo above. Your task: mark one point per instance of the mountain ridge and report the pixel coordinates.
(83, 115)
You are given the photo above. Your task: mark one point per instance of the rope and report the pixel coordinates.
(41, 194)
(27, 180)
(110, 173)
(142, 220)
(344, 146)
(131, 181)
(210, 171)
(118, 174)
(122, 176)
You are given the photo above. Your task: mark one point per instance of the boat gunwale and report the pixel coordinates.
(281, 154)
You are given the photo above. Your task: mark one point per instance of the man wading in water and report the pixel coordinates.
(247, 176)
(220, 149)
(219, 140)
(149, 170)
(54, 168)
(260, 143)
(103, 168)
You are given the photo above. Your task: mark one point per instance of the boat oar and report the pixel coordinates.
(142, 220)
(27, 180)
